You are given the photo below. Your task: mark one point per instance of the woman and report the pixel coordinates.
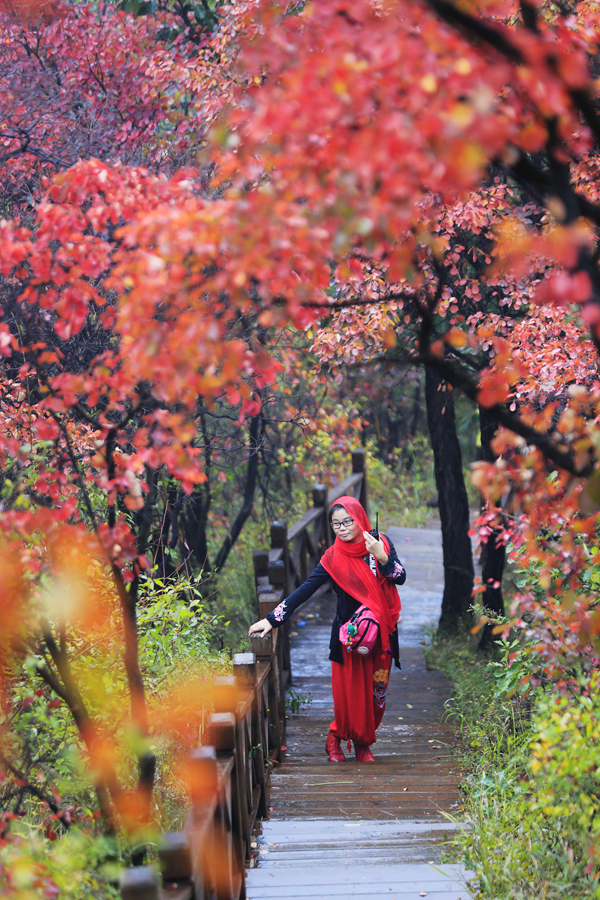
(364, 569)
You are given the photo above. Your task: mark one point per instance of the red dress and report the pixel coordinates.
(359, 690)
(359, 685)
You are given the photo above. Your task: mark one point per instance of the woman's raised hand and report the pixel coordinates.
(261, 628)
(376, 547)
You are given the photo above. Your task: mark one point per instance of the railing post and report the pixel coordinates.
(226, 698)
(279, 541)
(223, 737)
(267, 603)
(139, 883)
(320, 502)
(203, 776)
(175, 857)
(244, 668)
(266, 648)
(279, 578)
(203, 783)
(359, 464)
(226, 694)
(260, 562)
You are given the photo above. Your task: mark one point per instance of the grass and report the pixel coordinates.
(518, 835)
(402, 498)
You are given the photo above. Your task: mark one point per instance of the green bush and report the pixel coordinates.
(531, 826)
(71, 868)
(565, 768)
(400, 495)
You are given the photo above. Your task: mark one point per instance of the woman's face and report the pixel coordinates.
(344, 526)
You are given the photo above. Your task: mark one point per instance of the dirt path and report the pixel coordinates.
(370, 830)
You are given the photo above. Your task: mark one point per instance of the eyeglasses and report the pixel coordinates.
(345, 523)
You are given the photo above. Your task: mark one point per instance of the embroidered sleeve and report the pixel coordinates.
(279, 612)
(393, 569)
(397, 571)
(285, 609)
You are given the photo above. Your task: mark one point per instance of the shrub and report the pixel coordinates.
(531, 758)
(565, 767)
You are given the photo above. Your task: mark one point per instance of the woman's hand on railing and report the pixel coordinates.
(261, 628)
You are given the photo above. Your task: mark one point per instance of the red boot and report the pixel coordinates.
(334, 749)
(363, 753)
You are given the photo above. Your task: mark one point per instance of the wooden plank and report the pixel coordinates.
(245, 703)
(422, 877)
(396, 882)
(364, 893)
(308, 518)
(256, 792)
(263, 667)
(404, 874)
(345, 488)
(224, 769)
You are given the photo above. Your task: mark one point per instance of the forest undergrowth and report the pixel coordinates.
(189, 629)
(529, 759)
(177, 649)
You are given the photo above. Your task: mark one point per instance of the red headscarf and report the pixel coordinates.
(344, 561)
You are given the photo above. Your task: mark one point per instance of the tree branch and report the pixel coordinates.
(544, 443)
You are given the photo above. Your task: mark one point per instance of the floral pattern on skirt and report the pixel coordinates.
(381, 679)
(359, 688)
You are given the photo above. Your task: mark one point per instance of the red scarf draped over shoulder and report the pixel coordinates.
(344, 561)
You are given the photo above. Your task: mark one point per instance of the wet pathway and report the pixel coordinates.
(366, 830)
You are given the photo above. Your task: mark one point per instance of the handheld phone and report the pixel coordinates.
(376, 532)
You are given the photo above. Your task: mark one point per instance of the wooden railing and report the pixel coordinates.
(228, 779)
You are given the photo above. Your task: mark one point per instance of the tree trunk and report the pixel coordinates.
(407, 456)
(453, 505)
(493, 554)
(249, 492)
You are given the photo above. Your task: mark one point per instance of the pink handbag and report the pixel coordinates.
(360, 632)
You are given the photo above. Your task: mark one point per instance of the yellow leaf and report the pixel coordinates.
(389, 338)
(456, 338)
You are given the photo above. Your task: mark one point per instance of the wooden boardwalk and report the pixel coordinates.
(366, 830)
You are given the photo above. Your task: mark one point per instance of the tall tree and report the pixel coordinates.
(453, 505)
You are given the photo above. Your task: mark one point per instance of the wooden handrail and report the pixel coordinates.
(307, 519)
(346, 487)
(228, 778)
